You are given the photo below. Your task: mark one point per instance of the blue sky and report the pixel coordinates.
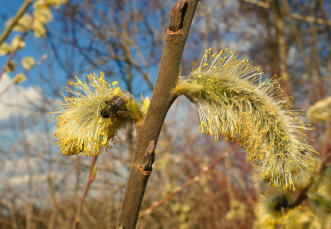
(7, 10)
(31, 89)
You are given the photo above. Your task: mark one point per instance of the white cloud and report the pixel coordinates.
(17, 101)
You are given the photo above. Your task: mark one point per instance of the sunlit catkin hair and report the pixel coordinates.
(235, 101)
(88, 121)
(320, 111)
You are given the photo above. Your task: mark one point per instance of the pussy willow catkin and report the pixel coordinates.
(236, 101)
(272, 211)
(88, 121)
(320, 111)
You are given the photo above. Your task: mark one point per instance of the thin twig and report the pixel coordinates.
(17, 17)
(12, 83)
(328, 30)
(282, 47)
(296, 16)
(295, 32)
(13, 52)
(184, 186)
(84, 194)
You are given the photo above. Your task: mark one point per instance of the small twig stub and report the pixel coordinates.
(149, 157)
(177, 16)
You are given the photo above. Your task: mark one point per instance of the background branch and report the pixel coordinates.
(184, 186)
(87, 186)
(17, 17)
(296, 16)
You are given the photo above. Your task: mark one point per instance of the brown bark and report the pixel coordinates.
(147, 133)
(86, 189)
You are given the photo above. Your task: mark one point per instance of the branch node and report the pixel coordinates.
(148, 159)
(177, 17)
(178, 32)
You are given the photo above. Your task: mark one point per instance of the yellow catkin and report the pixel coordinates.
(81, 128)
(273, 212)
(236, 101)
(320, 111)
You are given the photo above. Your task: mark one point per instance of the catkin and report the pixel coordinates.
(320, 111)
(81, 127)
(237, 102)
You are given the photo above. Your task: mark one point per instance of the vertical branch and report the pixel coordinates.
(316, 61)
(328, 32)
(147, 134)
(54, 209)
(30, 194)
(282, 47)
(326, 146)
(87, 186)
(271, 43)
(285, 8)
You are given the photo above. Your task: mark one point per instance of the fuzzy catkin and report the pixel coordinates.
(235, 101)
(81, 128)
(320, 111)
(272, 212)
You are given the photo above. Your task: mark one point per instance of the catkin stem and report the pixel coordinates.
(87, 186)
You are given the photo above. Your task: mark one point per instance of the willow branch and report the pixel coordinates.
(17, 17)
(87, 186)
(309, 19)
(282, 47)
(148, 132)
(300, 44)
